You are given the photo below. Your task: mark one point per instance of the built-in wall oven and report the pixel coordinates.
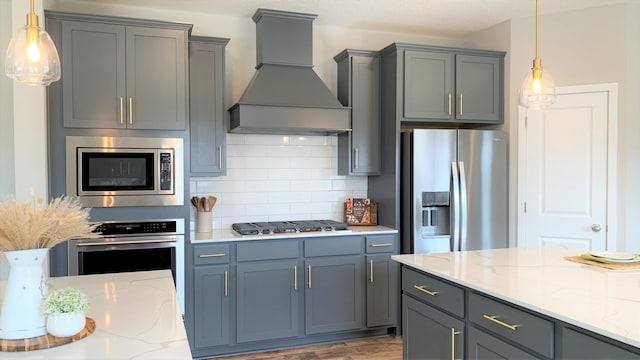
(125, 246)
(107, 171)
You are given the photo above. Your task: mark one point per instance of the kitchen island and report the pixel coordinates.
(522, 302)
(137, 316)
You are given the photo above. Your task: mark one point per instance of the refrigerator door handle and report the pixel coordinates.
(455, 208)
(463, 207)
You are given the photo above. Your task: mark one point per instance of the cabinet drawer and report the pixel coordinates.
(433, 291)
(333, 246)
(267, 250)
(380, 244)
(513, 324)
(211, 254)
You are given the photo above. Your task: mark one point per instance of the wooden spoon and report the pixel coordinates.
(212, 202)
(203, 204)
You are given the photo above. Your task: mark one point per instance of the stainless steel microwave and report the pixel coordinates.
(125, 171)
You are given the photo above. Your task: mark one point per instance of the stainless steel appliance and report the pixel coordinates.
(125, 246)
(454, 190)
(279, 227)
(125, 171)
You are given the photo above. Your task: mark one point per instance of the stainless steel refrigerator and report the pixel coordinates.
(454, 190)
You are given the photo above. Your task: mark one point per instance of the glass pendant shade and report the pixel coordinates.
(32, 57)
(538, 90)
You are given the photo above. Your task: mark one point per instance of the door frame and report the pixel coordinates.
(612, 160)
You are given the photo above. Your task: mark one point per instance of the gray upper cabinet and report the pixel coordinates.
(206, 104)
(446, 85)
(120, 75)
(359, 88)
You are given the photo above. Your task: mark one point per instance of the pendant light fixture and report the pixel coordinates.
(32, 57)
(537, 90)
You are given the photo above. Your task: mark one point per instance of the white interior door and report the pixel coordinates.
(566, 172)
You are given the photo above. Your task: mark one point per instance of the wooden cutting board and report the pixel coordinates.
(625, 266)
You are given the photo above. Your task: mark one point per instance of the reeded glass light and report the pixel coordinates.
(538, 90)
(32, 57)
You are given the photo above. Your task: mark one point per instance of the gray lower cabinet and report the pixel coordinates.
(429, 333)
(213, 294)
(381, 280)
(121, 73)
(579, 346)
(495, 329)
(212, 305)
(483, 346)
(333, 294)
(206, 106)
(359, 88)
(267, 300)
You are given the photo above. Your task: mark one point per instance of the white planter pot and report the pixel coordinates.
(65, 325)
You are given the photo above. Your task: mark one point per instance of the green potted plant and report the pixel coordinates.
(65, 310)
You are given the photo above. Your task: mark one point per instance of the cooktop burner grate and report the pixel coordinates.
(278, 227)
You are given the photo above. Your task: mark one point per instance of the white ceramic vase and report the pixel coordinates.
(65, 324)
(21, 316)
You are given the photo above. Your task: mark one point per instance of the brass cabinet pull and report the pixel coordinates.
(371, 269)
(449, 111)
(130, 111)
(295, 277)
(309, 285)
(219, 157)
(211, 255)
(226, 282)
(453, 343)
(121, 110)
(381, 245)
(460, 103)
(355, 158)
(421, 288)
(494, 318)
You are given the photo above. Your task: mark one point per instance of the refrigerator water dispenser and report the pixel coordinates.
(435, 213)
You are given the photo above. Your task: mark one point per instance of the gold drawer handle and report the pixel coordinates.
(494, 318)
(202, 256)
(381, 245)
(421, 288)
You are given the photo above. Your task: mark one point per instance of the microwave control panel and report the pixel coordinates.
(165, 171)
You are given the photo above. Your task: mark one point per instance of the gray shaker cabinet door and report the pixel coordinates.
(93, 81)
(333, 294)
(156, 78)
(478, 94)
(483, 346)
(428, 85)
(267, 300)
(381, 290)
(212, 296)
(359, 88)
(429, 333)
(207, 115)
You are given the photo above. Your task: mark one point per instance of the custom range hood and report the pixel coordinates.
(285, 95)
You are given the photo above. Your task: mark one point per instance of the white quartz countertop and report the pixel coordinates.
(137, 316)
(597, 299)
(224, 235)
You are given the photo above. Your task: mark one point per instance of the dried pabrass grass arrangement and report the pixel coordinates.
(33, 225)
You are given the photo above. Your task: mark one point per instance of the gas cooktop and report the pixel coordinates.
(278, 227)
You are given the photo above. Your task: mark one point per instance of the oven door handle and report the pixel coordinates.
(132, 242)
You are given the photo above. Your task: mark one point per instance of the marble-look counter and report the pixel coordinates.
(224, 235)
(137, 316)
(597, 299)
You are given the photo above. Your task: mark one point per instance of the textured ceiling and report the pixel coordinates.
(448, 18)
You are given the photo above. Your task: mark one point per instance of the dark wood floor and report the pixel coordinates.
(379, 348)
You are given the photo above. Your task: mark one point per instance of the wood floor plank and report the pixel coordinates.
(377, 348)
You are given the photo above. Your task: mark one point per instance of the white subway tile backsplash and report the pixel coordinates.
(279, 177)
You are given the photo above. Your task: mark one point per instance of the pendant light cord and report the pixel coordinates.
(536, 28)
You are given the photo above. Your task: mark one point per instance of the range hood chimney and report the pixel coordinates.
(285, 95)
